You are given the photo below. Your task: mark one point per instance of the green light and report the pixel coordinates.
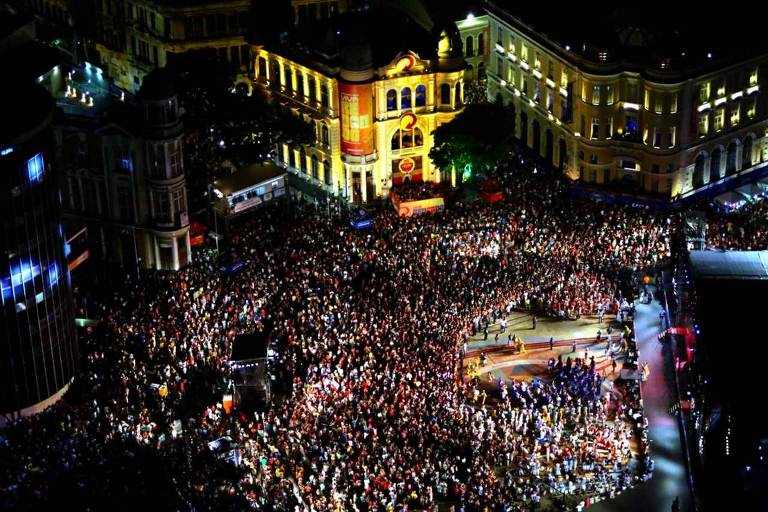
(467, 174)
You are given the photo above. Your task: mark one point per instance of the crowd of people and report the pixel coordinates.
(745, 229)
(369, 324)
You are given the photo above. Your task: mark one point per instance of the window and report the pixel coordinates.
(673, 104)
(403, 139)
(537, 95)
(658, 105)
(324, 96)
(315, 169)
(481, 44)
(291, 158)
(596, 94)
(550, 70)
(630, 125)
(289, 85)
(752, 112)
(564, 79)
(35, 168)
(445, 94)
(593, 158)
(499, 66)
(656, 138)
(391, 100)
(175, 159)
(325, 136)
(161, 206)
(421, 95)
(609, 128)
(524, 52)
(179, 205)
(704, 92)
(753, 77)
(300, 84)
(499, 35)
(608, 95)
(312, 86)
(703, 124)
(327, 172)
(405, 98)
(457, 95)
(672, 136)
(647, 100)
(719, 119)
(469, 47)
(595, 128)
(735, 115)
(550, 101)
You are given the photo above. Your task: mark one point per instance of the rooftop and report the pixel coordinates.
(632, 35)
(247, 177)
(730, 264)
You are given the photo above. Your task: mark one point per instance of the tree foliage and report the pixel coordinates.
(477, 139)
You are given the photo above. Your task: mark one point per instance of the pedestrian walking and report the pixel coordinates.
(534, 322)
(551, 343)
(485, 333)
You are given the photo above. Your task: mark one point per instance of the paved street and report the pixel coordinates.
(670, 477)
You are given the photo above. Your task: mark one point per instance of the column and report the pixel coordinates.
(364, 183)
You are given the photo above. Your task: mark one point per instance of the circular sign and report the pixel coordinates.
(408, 121)
(406, 165)
(406, 62)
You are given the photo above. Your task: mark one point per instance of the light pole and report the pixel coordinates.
(215, 217)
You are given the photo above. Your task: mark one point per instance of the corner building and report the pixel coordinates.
(639, 105)
(38, 345)
(375, 84)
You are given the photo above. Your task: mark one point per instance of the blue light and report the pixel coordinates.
(6, 151)
(53, 274)
(21, 274)
(35, 168)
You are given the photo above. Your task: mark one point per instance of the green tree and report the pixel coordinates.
(476, 140)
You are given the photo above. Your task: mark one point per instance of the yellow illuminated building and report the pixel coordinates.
(374, 111)
(665, 121)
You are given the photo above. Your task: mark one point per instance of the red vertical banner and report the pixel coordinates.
(356, 104)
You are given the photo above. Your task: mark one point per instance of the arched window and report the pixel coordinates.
(746, 153)
(327, 172)
(324, 96)
(391, 100)
(405, 98)
(403, 139)
(730, 164)
(481, 44)
(421, 96)
(714, 166)
(326, 138)
(698, 171)
(445, 94)
(469, 47)
(457, 97)
(315, 170)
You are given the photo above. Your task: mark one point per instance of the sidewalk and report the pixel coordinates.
(670, 478)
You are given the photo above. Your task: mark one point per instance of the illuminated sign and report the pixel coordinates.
(408, 121)
(405, 63)
(406, 165)
(356, 102)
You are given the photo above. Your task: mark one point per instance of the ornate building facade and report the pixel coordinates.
(374, 104)
(651, 114)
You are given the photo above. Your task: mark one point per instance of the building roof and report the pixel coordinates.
(635, 37)
(751, 265)
(248, 177)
